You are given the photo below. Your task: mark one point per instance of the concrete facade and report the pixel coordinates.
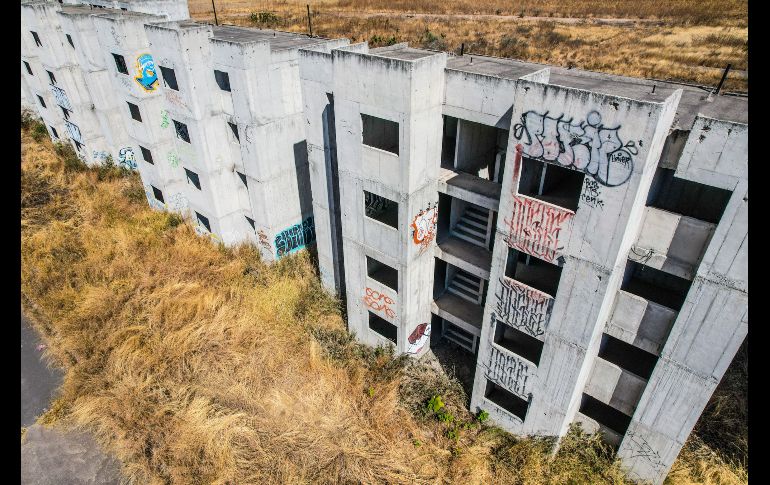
(583, 236)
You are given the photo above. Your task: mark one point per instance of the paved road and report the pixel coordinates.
(51, 456)
(38, 382)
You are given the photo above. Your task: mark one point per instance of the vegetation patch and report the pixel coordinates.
(199, 364)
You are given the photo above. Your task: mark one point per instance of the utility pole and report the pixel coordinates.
(216, 21)
(309, 23)
(722, 81)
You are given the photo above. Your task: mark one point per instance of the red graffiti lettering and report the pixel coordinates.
(379, 302)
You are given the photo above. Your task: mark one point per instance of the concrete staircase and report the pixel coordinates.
(473, 226)
(467, 287)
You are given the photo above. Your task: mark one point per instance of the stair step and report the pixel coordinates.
(465, 295)
(469, 231)
(468, 278)
(473, 222)
(478, 212)
(467, 286)
(475, 242)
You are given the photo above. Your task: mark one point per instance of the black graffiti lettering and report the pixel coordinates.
(587, 146)
(521, 308)
(508, 371)
(591, 194)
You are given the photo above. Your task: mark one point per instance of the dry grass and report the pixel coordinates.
(198, 364)
(692, 41)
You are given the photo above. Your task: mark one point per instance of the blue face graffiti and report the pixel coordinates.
(145, 67)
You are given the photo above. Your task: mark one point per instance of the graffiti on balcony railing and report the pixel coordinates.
(534, 227)
(74, 132)
(522, 307)
(508, 371)
(146, 77)
(418, 338)
(61, 97)
(588, 145)
(295, 237)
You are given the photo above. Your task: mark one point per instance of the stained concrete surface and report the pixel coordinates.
(38, 381)
(52, 456)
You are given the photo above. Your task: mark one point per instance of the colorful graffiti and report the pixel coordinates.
(147, 76)
(588, 146)
(61, 97)
(379, 302)
(126, 158)
(523, 307)
(508, 371)
(424, 226)
(418, 338)
(295, 237)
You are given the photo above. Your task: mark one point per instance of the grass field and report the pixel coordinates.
(198, 364)
(684, 40)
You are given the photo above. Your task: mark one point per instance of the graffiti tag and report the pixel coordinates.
(522, 307)
(264, 241)
(126, 158)
(588, 145)
(177, 201)
(295, 238)
(424, 227)
(164, 119)
(379, 302)
(591, 194)
(534, 227)
(508, 371)
(418, 337)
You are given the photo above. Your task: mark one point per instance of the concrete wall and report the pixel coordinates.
(299, 168)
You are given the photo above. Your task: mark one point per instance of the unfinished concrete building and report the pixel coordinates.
(581, 237)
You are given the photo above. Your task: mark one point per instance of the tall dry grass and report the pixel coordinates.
(198, 364)
(692, 42)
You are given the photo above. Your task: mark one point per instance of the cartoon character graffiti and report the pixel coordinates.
(424, 227)
(126, 158)
(145, 68)
(418, 338)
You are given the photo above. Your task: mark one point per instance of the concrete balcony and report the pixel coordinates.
(640, 322)
(460, 312)
(671, 242)
(464, 255)
(590, 425)
(615, 386)
(469, 188)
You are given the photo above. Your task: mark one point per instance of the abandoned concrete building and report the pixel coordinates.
(581, 237)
